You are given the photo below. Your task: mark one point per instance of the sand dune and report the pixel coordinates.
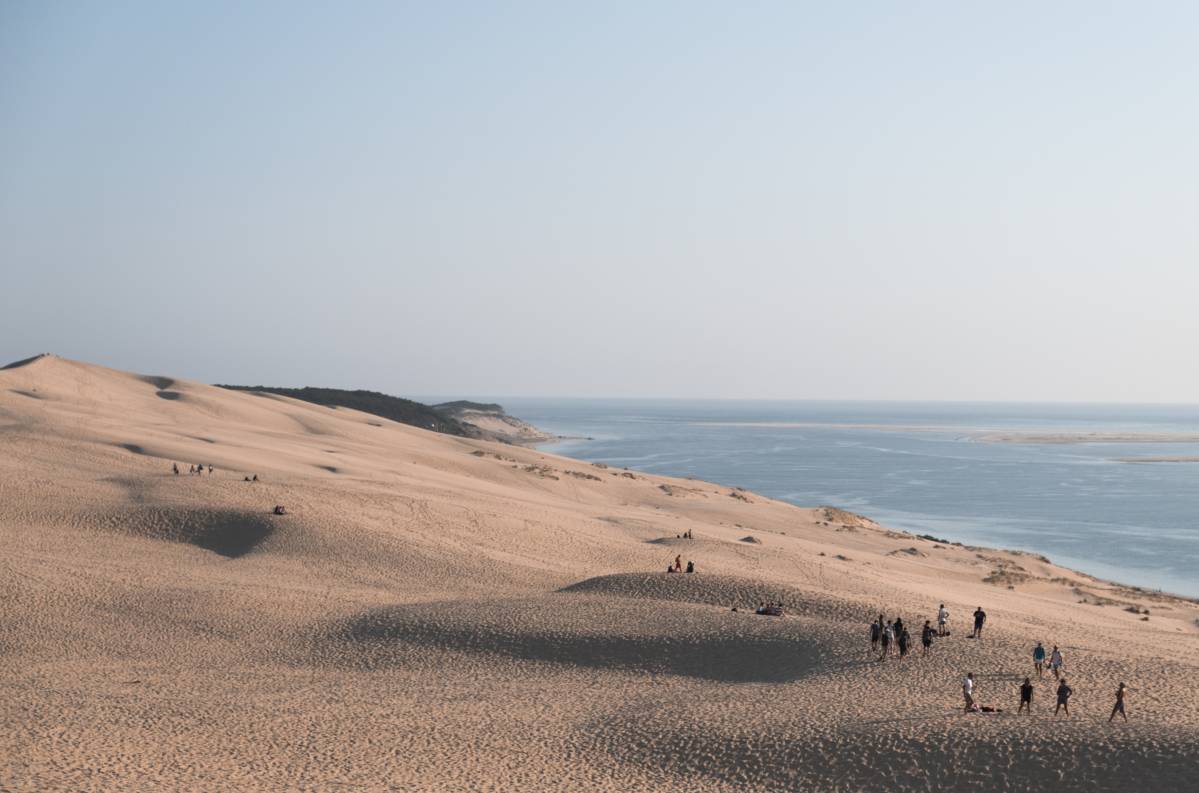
(438, 613)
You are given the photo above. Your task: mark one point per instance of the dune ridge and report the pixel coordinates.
(445, 613)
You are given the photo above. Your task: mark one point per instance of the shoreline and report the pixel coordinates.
(1044, 556)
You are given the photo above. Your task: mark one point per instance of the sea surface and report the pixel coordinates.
(923, 467)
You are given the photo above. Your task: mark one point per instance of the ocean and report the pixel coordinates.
(922, 467)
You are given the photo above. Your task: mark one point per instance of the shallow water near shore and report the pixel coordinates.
(925, 467)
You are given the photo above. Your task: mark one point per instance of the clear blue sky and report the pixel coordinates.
(786, 200)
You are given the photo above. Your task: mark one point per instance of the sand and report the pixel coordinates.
(437, 613)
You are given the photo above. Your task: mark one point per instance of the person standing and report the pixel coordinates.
(888, 637)
(926, 636)
(1056, 662)
(1038, 659)
(904, 639)
(980, 617)
(968, 691)
(1025, 697)
(678, 563)
(876, 634)
(1063, 697)
(942, 619)
(1119, 706)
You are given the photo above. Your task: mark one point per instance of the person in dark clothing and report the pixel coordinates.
(1119, 706)
(876, 633)
(980, 617)
(926, 635)
(888, 635)
(690, 566)
(175, 468)
(1025, 697)
(1063, 697)
(905, 639)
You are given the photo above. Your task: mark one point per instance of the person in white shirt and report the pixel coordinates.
(1055, 662)
(968, 691)
(942, 619)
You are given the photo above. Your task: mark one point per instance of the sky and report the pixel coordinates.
(954, 201)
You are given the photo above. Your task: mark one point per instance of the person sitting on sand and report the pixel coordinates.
(690, 566)
(279, 510)
(942, 619)
(926, 636)
(1025, 697)
(255, 478)
(968, 691)
(1119, 706)
(1056, 662)
(1063, 697)
(980, 617)
(1038, 659)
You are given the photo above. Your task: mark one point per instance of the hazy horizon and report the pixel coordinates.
(682, 200)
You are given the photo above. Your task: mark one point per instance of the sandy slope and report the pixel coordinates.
(437, 613)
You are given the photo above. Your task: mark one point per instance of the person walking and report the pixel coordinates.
(678, 563)
(1119, 706)
(888, 637)
(905, 639)
(968, 691)
(876, 634)
(980, 617)
(1063, 697)
(1025, 697)
(1038, 659)
(1056, 662)
(942, 620)
(926, 636)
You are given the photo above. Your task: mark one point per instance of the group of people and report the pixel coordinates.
(1064, 692)
(894, 638)
(197, 470)
(677, 566)
(980, 618)
(771, 609)
(1056, 662)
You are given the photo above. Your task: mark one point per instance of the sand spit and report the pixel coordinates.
(438, 613)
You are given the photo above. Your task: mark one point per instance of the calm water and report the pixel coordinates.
(1136, 523)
